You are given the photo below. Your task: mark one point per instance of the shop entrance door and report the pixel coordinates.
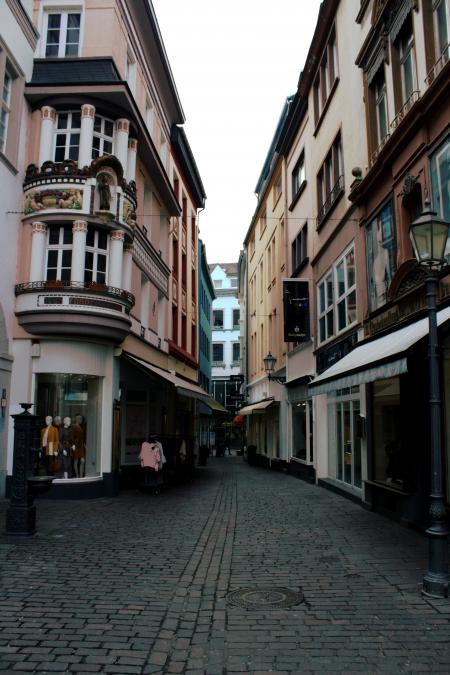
(347, 442)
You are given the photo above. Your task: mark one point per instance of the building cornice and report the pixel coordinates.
(24, 22)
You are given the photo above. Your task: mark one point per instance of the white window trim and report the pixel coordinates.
(334, 306)
(6, 105)
(438, 52)
(59, 247)
(96, 252)
(67, 132)
(103, 137)
(130, 70)
(52, 6)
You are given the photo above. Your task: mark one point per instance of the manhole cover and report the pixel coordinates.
(264, 598)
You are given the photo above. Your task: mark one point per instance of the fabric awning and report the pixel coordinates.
(375, 360)
(215, 405)
(254, 407)
(184, 388)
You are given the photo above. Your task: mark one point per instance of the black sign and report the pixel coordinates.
(237, 397)
(237, 378)
(296, 310)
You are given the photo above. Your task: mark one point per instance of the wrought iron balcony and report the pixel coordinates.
(439, 65)
(376, 154)
(74, 308)
(400, 116)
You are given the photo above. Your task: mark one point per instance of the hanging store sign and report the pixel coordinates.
(296, 310)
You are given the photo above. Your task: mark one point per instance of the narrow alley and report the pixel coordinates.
(142, 583)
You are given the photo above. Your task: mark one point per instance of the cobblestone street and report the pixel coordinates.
(138, 584)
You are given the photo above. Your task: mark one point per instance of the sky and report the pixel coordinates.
(234, 63)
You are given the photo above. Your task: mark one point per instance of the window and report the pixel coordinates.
(337, 297)
(407, 61)
(300, 248)
(218, 283)
(102, 142)
(298, 176)
(217, 352)
(62, 34)
(440, 182)
(236, 318)
(96, 256)
(149, 117)
(130, 71)
(251, 245)
(330, 180)
(378, 88)
(262, 222)
(345, 441)
(389, 454)
(218, 318)
(233, 282)
(6, 108)
(441, 12)
(326, 77)
(277, 188)
(381, 256)
(67, 143)
(59, 253)
(302, 430)
(236, 352)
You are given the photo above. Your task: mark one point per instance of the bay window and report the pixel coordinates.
(59, 253)
(67, 136)
(336, 297)
(96, 257)
(102, 142)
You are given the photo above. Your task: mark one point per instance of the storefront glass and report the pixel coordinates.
(69, 410)
(345, 438)
(440, 182)
(381, 252)
(388, 451)
(302, 428)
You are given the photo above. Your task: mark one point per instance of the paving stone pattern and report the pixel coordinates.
(138, 584)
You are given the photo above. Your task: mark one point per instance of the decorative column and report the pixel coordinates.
(79, 230)
(116, 258)
(127, 267)
(38, 247)
(121, 142)
(48, 118)
(86, 135)
(131, 164)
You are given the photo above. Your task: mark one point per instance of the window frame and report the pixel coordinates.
(438, 49)
(299, 171)
(216, 345)
(61, 247)
(326, 78)
(299, 248)
(96, 252)
(13, 129)
(64, 10)
(214, 325)
(233, 348)
(330, 180)
(379, 94)
(5, 109)
(372, 301)
(103, 137)
(67, 132)
(331, 327)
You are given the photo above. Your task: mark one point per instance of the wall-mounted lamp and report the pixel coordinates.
(269, 367)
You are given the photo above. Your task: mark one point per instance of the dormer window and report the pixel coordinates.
(62, 34)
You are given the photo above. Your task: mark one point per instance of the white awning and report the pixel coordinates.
(375, 360)
(249, 409)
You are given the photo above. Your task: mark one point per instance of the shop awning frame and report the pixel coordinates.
(183, 387)
(376, 359)
(256, 407)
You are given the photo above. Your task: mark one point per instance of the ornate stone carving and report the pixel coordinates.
(118, 235)
(123, 125)
(87, 110)
(48, 113)
(52, 199)
(104, 190)
(79, 226)
(38, 228)
(409, 185)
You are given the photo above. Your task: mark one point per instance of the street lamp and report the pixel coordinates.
(269, 367)
(429, 235)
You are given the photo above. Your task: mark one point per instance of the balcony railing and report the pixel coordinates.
(375, 155)
(400, 116)
(439, 65)
(91, 286)
(335, 192)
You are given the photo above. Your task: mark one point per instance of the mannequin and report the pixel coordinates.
(49, 444)
(67, 445)
(79, 453)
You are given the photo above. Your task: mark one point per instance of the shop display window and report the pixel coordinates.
(388, 449)
(68, 407)
(302, 429)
